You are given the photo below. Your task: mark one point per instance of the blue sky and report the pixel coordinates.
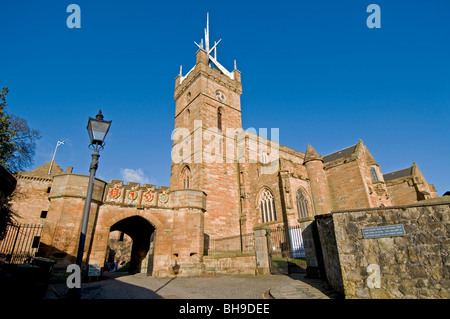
(313, 69)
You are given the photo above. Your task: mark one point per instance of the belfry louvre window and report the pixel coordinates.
(302, 205)
(267, 206)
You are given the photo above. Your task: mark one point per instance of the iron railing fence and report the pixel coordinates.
(286, 241)
(296, 241)
(20, 243)
(279, 241)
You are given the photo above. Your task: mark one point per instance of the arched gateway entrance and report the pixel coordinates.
(141, 233)
(166, 232)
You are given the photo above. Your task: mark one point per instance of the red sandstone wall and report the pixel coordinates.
(30, 199)
(402, 192)
(346, 185)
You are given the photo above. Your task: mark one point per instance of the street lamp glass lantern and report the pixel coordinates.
(98, 128)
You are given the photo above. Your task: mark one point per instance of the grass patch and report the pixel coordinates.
(282, 261)
(279, 262)
(124, 268)
(298, 261)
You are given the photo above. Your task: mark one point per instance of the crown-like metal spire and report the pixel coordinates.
(208, 50)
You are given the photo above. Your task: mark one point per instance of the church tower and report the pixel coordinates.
(207, 115)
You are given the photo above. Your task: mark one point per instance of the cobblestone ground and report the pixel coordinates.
(124, 286)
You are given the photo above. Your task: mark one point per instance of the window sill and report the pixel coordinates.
(306, 219)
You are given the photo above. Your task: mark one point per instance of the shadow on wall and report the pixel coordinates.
(137, 228)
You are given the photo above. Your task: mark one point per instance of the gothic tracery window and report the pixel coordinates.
(302, 204)
(267, 206)
(186, 176)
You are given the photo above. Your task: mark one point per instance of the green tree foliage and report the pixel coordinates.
(6, 218)
(17, 139)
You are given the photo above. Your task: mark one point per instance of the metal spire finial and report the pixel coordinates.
(213, 60)
(207, 33)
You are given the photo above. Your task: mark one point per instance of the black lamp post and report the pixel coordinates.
(97, 129)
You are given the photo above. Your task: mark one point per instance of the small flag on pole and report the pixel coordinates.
(54, 153)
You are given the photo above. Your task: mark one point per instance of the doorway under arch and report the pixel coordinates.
(140, 231)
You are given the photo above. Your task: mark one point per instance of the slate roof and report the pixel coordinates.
(398, 174)
(339, 154)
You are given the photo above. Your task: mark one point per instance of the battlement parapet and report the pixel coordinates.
(134, 194)
(75, 185)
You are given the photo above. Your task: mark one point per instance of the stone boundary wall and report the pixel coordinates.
(230, 265)
(409, 266)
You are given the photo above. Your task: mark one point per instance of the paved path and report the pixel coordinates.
(124, 286)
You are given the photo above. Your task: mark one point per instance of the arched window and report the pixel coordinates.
(302, 205)
(186, 176)
(267, 206)
(187, 118)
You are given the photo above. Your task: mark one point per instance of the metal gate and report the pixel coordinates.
(20, 243)
(286, 250)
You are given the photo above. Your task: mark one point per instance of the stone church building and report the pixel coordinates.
(224, 182)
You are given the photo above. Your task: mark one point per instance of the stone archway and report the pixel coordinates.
(177, 233)
(141, 225)
(140, 230)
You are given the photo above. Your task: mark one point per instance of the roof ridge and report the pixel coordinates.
(336, 155)
(398, 173)
(342, 149)
(402, 169)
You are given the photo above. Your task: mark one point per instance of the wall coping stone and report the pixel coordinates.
(444, 201)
